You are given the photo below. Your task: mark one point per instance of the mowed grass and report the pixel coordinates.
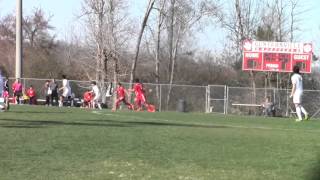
(76, 144)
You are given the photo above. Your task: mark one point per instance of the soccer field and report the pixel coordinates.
(76, 144)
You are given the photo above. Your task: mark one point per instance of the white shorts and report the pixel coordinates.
(297, 98)
(65, 92)
(96, 98)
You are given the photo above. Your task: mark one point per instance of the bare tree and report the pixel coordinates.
(242, 37)
(95, 12)
(36, 27)
(142, 28)
(242, 23)
(160, 21)
(182, 17)
(39, 44)
(106, 20)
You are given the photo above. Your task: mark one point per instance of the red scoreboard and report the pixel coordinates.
(276, 56)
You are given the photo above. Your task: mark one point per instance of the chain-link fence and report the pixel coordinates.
(213, 98)
(195, 97)
(217, 99)
(242, 101)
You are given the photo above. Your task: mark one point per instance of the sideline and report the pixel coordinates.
(211, 124)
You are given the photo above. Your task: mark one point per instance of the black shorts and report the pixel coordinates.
(18, 93)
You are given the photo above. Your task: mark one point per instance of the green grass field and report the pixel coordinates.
(75, 144)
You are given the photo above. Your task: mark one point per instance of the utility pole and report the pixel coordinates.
(19, 51)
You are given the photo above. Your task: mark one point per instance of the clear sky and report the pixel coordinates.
(64, 13)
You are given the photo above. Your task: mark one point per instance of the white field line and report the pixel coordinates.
(212, 124)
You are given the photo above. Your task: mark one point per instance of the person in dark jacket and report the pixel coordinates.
(54, 92)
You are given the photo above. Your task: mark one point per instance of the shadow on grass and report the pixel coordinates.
(37, 112)
(22, 123)
(167, 124)
(21, 126)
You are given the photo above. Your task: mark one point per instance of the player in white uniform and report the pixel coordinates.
(1, 84)
(97, 95)
(296, 94)
(3, 103)
(66, 90)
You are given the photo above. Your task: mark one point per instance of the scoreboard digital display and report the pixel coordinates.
(276, 56)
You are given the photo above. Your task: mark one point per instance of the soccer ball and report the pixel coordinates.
(150, 90)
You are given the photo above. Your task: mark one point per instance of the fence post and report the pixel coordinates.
(24, 83)
(160, 98)
(274, 96)
(226, 99)
(208, 99)
(287, 102)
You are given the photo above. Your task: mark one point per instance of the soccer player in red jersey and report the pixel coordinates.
(87, 97)
(140, 98)
(121, 97)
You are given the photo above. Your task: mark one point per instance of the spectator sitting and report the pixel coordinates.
(25, 97)
(32, 95)
(268, 107)
(54, 92)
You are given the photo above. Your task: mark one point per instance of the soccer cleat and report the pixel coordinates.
(130, 107)
(306, 117)
(151, 108)
(298, 120)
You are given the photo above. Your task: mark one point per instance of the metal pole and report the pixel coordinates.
(274, 95)
(207, 99)
(227, 99)
(160, 96)
(277, 80)
(19, 39)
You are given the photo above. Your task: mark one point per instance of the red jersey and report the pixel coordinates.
(17, 87)
(138, 89)
(31, 92)
(5, 94)
(121, 92)
(87, 96)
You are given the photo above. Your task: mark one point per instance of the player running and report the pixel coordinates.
(96, 97)
(140, 98)
(66, 90)
(121, 97)
(296, 94)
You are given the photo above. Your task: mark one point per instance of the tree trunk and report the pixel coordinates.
(173, 64)
(115, 80)
(254, 93)
(100, 64)
(113, 48)
(143, 25)
(158, 41)
(170, 41)
(241, 39)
